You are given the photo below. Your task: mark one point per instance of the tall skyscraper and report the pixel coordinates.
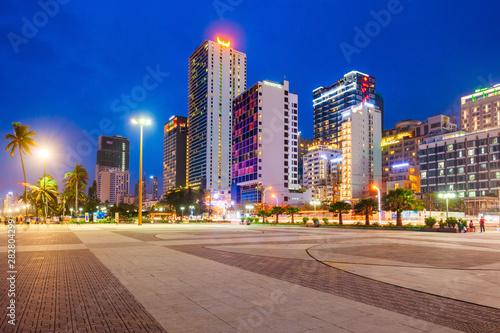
(217, 74)
(481, 109)
(329, 103)
(174, 153)
(153, 188)
(303, 145)
(346, 115)
(265, 145)
(111, 169)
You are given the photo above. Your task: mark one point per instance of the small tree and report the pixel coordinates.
(430, 221)
(315, 220)
(399, 200)
(262, 213)
(339, 208)
(292, 211)
(305, 219)
(277, 210)
(451, 221)
(366, 206)
(325, 220)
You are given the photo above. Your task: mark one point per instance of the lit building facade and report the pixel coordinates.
(322, 166)
(329, 102)
(153, 188)
(480, 110)
(360, 139)
(400, 152)
(303, 146)
(467, 164)
(217, 74)
(174, 154)
(111, 170)
(265, 153)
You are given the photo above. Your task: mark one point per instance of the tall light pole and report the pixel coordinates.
(447, 196)
(182, 213)
(277, 201)
(379, 206)
(264, 195)
(142, 122)
(249, 207)
(44, 154)
(315, 203)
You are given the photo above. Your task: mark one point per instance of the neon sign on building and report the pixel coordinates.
(223, 43)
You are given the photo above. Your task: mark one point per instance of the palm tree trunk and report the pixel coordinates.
(25, 185)
(76, 196)
(292, 219)
(340, 218)
(367, 218)
(277, 216)
(399, 221)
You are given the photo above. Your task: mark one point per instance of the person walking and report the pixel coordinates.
(481, 224)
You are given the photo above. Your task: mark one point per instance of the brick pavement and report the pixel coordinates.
(442, 311)
(71, 291)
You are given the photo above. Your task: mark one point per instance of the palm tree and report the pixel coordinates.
(277, 210)
(340, 207)
(22, 141)
(262, 213)
(292, 211)
(45, 189)
(399, 200)
(75, 183)
(366, 206)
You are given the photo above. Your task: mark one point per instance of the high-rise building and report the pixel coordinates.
(153, 188)
(111, 169)
(466, 164)
(217, 74)
(303, 146)
(265, 136)
(481, 109)
(400, 153)
(360, 139)
(144, 188)
(330, 102)
(347, 115)
(8, 204)
(174, 153)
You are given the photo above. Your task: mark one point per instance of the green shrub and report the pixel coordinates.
(442, 223)
(315, 220)
(430, 221)
(305, 219)
(376, 224)
(255, 219)
(452, 221)
(325, 220)
(359, 224)
(390, 224)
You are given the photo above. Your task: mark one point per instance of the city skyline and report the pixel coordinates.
(76, 94)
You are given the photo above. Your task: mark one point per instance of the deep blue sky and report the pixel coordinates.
(64, 77)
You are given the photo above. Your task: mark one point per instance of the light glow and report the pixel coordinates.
(400, 165)
(221, 42)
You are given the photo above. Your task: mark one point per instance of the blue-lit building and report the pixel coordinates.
(329, 103)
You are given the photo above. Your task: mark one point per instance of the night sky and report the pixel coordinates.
(71, 71)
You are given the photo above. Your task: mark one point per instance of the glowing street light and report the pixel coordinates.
(249, 207)
(379, 205)
(182, 212)
(264, 195)
(142, 122)
(315, 203)
(277, 201)
(44, 155)
(447, 196)
(192, 209)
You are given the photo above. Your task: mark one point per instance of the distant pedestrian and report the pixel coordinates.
(472, 226)
(481, 225)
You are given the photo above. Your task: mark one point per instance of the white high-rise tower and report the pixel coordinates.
(217, 74)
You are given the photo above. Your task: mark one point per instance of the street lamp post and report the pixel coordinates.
(447, 196)
(277, 201)
(192, 209)
(141, 122)
(44, 154)
(315, 203)
(379, 206)
(182, 213)
(264, 195)
(249, 208)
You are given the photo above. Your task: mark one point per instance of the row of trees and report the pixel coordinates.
(396, 201)
(43, 195)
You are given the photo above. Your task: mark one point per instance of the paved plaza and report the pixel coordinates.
(230, 278)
